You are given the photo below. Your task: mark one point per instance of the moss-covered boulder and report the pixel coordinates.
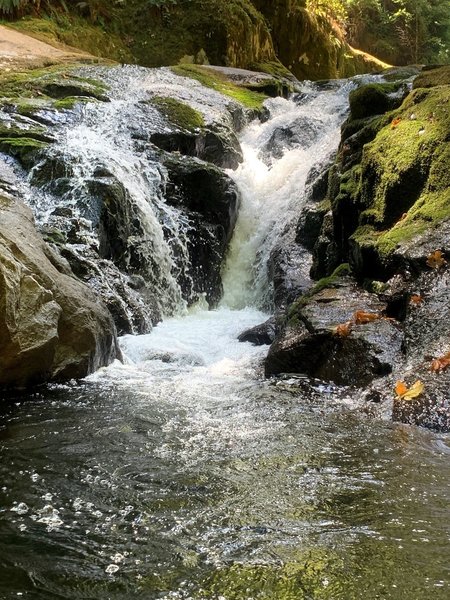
(275, 36)
(388, 190)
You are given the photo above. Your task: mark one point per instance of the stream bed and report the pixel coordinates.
(183, 474)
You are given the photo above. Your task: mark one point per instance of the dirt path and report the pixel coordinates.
(20, 51)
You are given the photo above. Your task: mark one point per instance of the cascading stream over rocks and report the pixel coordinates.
(180, 472)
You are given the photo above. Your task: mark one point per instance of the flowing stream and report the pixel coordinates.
(183, 474)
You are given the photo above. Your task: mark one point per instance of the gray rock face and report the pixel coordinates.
(261, 335)
(427, 329)
(308, 344)
(52, 328)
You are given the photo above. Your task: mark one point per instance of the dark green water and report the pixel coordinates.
(180, 481)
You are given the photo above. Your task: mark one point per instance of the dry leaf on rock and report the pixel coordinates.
(405, 393)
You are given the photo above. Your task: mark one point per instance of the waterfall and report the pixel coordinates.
(103, 184)
(302, 133)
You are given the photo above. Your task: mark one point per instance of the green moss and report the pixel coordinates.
(333, 280)
(433, 77)
(275, 68)
(21, 148)
(407, 159)
(178, 113)
(427, 213)
(69, 102)
(56, 81)
(217, 81)
(372, 99)
(349, 188)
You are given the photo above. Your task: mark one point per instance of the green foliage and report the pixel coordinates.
(401, 31)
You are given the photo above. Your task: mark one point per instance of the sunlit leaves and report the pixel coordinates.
(409, 393)
(436, 260)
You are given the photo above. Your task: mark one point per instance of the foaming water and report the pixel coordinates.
(272, 182)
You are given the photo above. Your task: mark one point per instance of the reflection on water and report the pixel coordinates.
(183, 476)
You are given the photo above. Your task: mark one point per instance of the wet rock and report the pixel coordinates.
(302, 132)
(52, 327)
(288, 268)
(261, 335)
(217, 145)
(211, 201)
(308, 344)
(427, 337)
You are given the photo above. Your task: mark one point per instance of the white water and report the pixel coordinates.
(198, 355)
(273, 190)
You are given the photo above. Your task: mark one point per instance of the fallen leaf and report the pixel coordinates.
(400, 388)
(344, 329)
(416, 299)
(395, 123)
(362, 317)
(441, 363)
(405, 393)
(436, 260)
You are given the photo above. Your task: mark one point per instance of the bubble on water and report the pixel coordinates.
(117, 558)
(77, 504)
(50, 516)
(111, 569)
(20, 509)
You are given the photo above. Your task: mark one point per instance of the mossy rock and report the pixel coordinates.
(178, 113)
(373, 99)
(433, 77)
(334, 280)
(14, 131)
(22, 148)
(219, 82)
(52, 82)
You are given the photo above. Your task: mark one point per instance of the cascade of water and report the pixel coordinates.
(279, 154)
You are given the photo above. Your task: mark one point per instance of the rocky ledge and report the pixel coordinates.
(379, 230)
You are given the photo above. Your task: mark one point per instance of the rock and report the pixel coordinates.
(261, 335)
(301, 133)
(216, 144)
(211, 201)
(376, 99)
(288, 269)
(52, 327)
(427, 337)
(308, 344)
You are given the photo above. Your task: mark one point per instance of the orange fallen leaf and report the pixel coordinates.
(401, 388)
(395, 123)
(362, 317)
(441, 363)
(416, 299)
(344, 329)
(436, 260)
(405, 393)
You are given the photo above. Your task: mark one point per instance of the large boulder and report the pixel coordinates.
(210, 200)
(317, 340)
(52, 327)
